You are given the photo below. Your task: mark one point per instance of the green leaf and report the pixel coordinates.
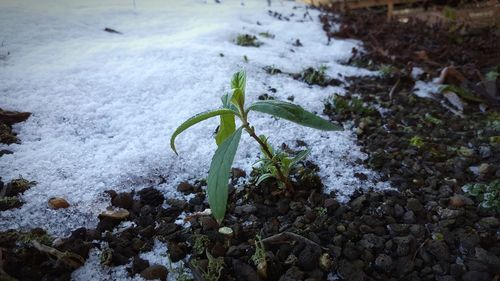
(239, 80)
(196, 119)
(294, 113)
(300, 156)
(238, 86)
(219, 173)
(462, 92)
(263, 178)
(226, 128)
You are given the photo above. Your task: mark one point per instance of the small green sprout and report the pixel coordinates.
(487, 194)
(259, 257)
(315, 76)
(267, 35)
(214, 268)
(268, 170)
(247, 40)
(388, 70)
(228, 138)
(416, 141)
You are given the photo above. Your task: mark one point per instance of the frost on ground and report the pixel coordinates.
(104, 104)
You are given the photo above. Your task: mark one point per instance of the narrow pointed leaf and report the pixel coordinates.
(263, 178)
(238, 84)
(219, 174)
(226, 128)
(196, 119)
(294, 113)
(300, 156)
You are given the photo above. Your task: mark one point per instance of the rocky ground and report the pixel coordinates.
(427, 228)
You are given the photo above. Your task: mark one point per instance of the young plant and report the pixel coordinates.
(228, 137)
(268, 170)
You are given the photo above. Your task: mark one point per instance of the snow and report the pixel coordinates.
(104, 105)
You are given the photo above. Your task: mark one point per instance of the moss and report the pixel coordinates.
(314, 76)
(247, 40)
(7, 203)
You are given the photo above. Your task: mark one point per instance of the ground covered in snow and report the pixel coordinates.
(105, 104)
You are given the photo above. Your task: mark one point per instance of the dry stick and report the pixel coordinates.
(70, 259)
(393, 89)
(284, 236)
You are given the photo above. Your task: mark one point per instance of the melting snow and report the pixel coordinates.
(104, 105)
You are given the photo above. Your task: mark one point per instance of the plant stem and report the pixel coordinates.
(269, 154)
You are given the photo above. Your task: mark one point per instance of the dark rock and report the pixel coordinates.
(409, 217)
(123, 200)
(155, 272)
(244, 272)
(238, 173)
(208, 223)
(438, 249)
(138, 265)
(177, 251)
(151, 196)
(476, 276)
(245, 209)
(383, 262)
(293, 274)
(414, 205)
(309, 257)
(358, 203)
(185, 187)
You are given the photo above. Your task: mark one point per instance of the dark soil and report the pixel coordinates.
(425, 229)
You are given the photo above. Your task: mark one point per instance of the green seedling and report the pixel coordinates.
(247, 40)
(214, 268)
(268, 170)
(259, 257)
(416, 141)
(228, 137)
(315, 76)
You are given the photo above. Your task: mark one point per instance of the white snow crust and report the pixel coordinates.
(104, 105)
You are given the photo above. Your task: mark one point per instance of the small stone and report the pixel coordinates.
(238, 173)
(398, 210)
(185, 187)
(58, 203)
(457, 201)
(208, 223)
(476, 276)
(414, 205)
(116, 214)
(177, 251)
(409, 217)
(340, 228)
(331, 204)
(383, 262)
(155, 272)
(358, 203)
(123, 200)
(151, 196)
(446, 214)
(245, 209)
(490, 221)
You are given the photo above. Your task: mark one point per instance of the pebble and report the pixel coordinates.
(58, 203)
(155, 272)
